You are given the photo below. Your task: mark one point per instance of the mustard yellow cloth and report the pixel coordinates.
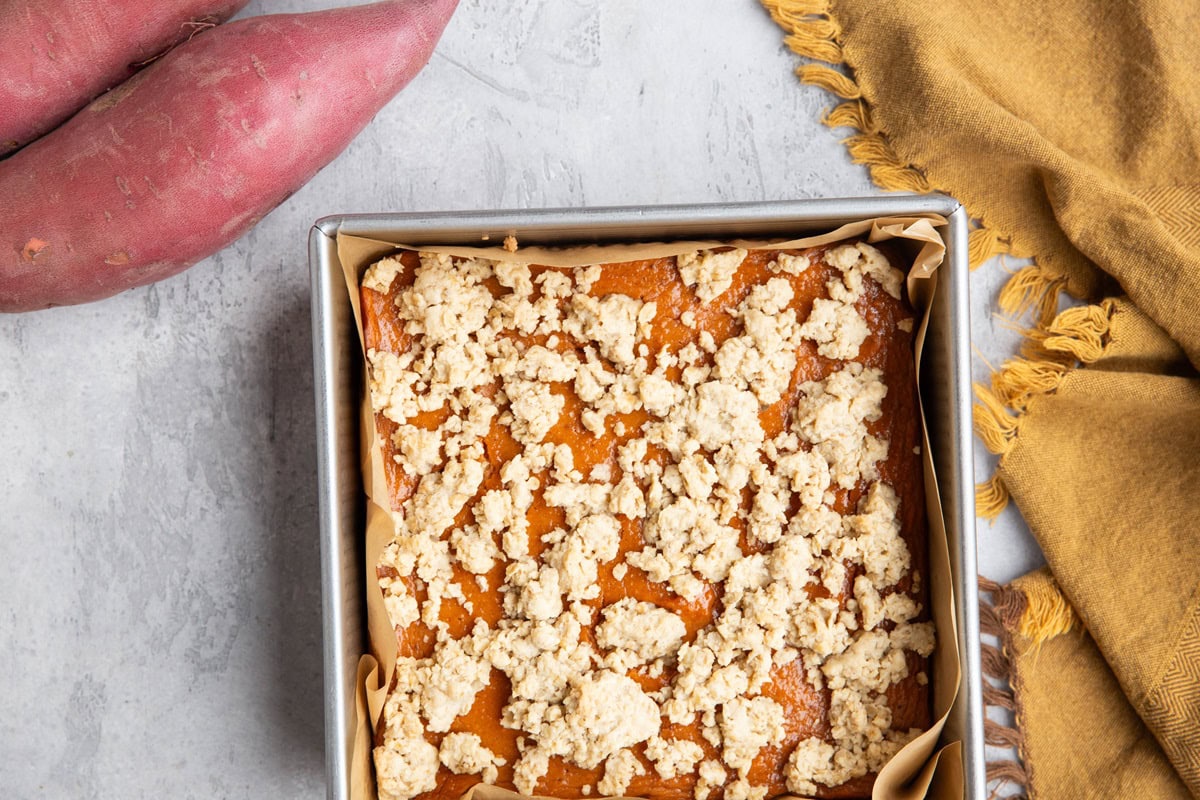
(1071, 131)
(1064, 695)
(1105, 467)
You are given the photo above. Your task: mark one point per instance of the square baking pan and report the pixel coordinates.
(337, 362)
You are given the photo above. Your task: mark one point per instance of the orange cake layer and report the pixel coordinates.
(659, 525)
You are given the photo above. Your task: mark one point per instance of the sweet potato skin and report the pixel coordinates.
(191, 152)
(56, 55)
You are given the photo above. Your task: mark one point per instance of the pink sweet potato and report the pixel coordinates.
(191, 152)
(56, 55)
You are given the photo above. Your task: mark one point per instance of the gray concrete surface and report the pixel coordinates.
(159, 599)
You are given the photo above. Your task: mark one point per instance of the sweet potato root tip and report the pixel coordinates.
(33, 248)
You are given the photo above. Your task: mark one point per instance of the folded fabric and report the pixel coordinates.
(1103, 460)
(1079, 738)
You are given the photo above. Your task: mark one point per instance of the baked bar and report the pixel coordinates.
(659, 525)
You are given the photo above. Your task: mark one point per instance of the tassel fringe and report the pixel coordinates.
(999, 618)
(812, 32)
(996, 696)
(991, 497)
(791, 14)
(989, 622)
(994, 424)
(984, 243)
(791, 9)
(1077, 336)
(887, 170)
(1034, 289)
(809, 43)
(998, 735)
(1006, 771)
(1022, 379)
(830, 80)
(1047, 613)
(855, 114)
(995, 663)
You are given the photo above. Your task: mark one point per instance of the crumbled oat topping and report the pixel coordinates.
(464, 754)
(712, 776)
(710, 271)
(406, 766)
(638, 632)
(794, 265)
(697, 472)
(749, 724)
(836, 327)
(619, 769)
(673, 757)
(380, 275)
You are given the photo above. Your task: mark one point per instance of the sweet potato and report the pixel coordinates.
(191, 152)
(56, 55)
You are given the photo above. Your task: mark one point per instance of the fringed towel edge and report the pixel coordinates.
(813, 32)
(1077, 336)
(1034, 609)
(996, 618)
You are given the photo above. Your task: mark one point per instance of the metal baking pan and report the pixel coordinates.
(338, 385)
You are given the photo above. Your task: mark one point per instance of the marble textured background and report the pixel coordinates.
(159, 599)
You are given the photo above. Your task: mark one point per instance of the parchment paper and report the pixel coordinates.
(917, 771)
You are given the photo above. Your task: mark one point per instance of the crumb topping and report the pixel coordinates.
(673, 757)
(710, 271)
(595, 682)
(619, 769)
(379, 276)
(464, 754)
(638, 632)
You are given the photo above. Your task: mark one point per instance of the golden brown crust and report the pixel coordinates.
(888, 347)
